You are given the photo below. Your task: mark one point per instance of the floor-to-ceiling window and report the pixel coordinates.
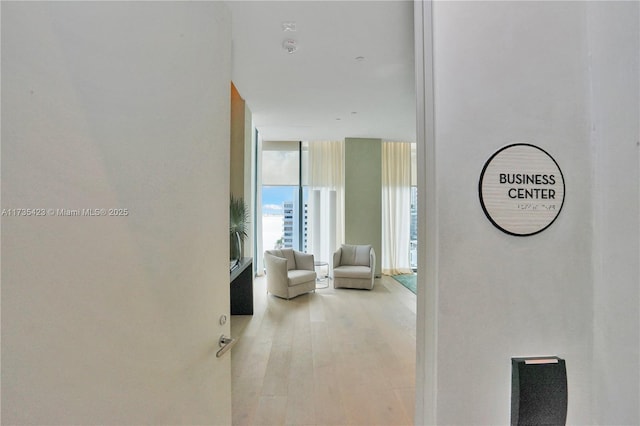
(324, 178)
(283, 198)
(396, 207)
(301, 195)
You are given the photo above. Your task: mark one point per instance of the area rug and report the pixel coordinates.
(407, 280)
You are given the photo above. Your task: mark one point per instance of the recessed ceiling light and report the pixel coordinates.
(359, 58)
(289, 26)
(338, 119)
(354, 112)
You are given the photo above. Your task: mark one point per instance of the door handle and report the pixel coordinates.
(225, 344)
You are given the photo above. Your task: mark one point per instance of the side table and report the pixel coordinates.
(322, 280)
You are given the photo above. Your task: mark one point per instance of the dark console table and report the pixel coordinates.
(241, 293)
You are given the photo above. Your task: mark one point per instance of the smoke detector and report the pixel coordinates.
(290, 45)
(289, 26)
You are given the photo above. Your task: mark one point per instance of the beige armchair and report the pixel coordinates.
(290, 273)
(354, 267)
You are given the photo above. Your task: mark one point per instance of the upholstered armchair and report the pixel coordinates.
(290, 273)
(354, 267)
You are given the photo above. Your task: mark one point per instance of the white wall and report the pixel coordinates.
(509, 72)
(113, 320)
(614, 46)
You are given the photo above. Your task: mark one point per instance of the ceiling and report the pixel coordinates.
(352, 74)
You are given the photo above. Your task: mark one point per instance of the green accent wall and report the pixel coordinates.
(363, 194)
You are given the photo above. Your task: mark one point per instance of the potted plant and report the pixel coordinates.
(238, 221)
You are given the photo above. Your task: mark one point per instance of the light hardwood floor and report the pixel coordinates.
(333, 357)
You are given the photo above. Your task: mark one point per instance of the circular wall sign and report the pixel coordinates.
(521, 189)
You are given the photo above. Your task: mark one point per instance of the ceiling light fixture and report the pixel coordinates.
(290, 45)
(359, 58)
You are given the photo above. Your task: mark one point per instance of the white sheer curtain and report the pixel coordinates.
(396, 207)
(325, 181)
